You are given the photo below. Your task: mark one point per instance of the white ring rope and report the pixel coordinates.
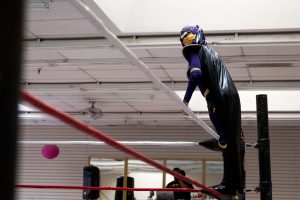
(129, 143)
(94, 19)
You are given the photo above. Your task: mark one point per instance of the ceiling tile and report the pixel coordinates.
(165, 52)
(228, 50)
(163, 103)
(174, 66)
(55, 76)
(239, 74)
(94, 53)
(28, 35)
(292, 49)
(161, 74)
(275, 73)
(112, 106)
(108, 67)
(42, 55)
(57, 10)
(118, 75)
(141, 53)
(62, 28)
(177, 74)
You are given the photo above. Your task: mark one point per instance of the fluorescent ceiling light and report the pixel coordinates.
(30, 115)
(24, 108)
(27, 112)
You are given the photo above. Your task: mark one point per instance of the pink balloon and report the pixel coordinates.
(50, 151)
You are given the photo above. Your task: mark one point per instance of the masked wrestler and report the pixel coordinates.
(207, 71)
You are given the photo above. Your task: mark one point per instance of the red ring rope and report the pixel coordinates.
(108, 140)
(106, 188)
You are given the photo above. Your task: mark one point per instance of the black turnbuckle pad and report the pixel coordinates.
(211, 144)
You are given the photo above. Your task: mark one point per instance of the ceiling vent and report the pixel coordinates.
(37, 4)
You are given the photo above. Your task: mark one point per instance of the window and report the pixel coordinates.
(206, 172)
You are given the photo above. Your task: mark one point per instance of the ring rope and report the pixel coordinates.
(107, 139)
(128, 143)
(110, 36)
(105, 188)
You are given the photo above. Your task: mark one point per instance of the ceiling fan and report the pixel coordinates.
(95, 113)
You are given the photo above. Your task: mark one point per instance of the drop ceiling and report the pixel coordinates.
(68, 63)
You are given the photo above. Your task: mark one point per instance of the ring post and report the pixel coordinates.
(263, 142)
(11, 23)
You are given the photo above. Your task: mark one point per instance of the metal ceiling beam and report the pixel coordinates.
(270, 59)
(134, 86)
(134, 41)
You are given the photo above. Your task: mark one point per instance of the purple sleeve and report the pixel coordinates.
(194, 60)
